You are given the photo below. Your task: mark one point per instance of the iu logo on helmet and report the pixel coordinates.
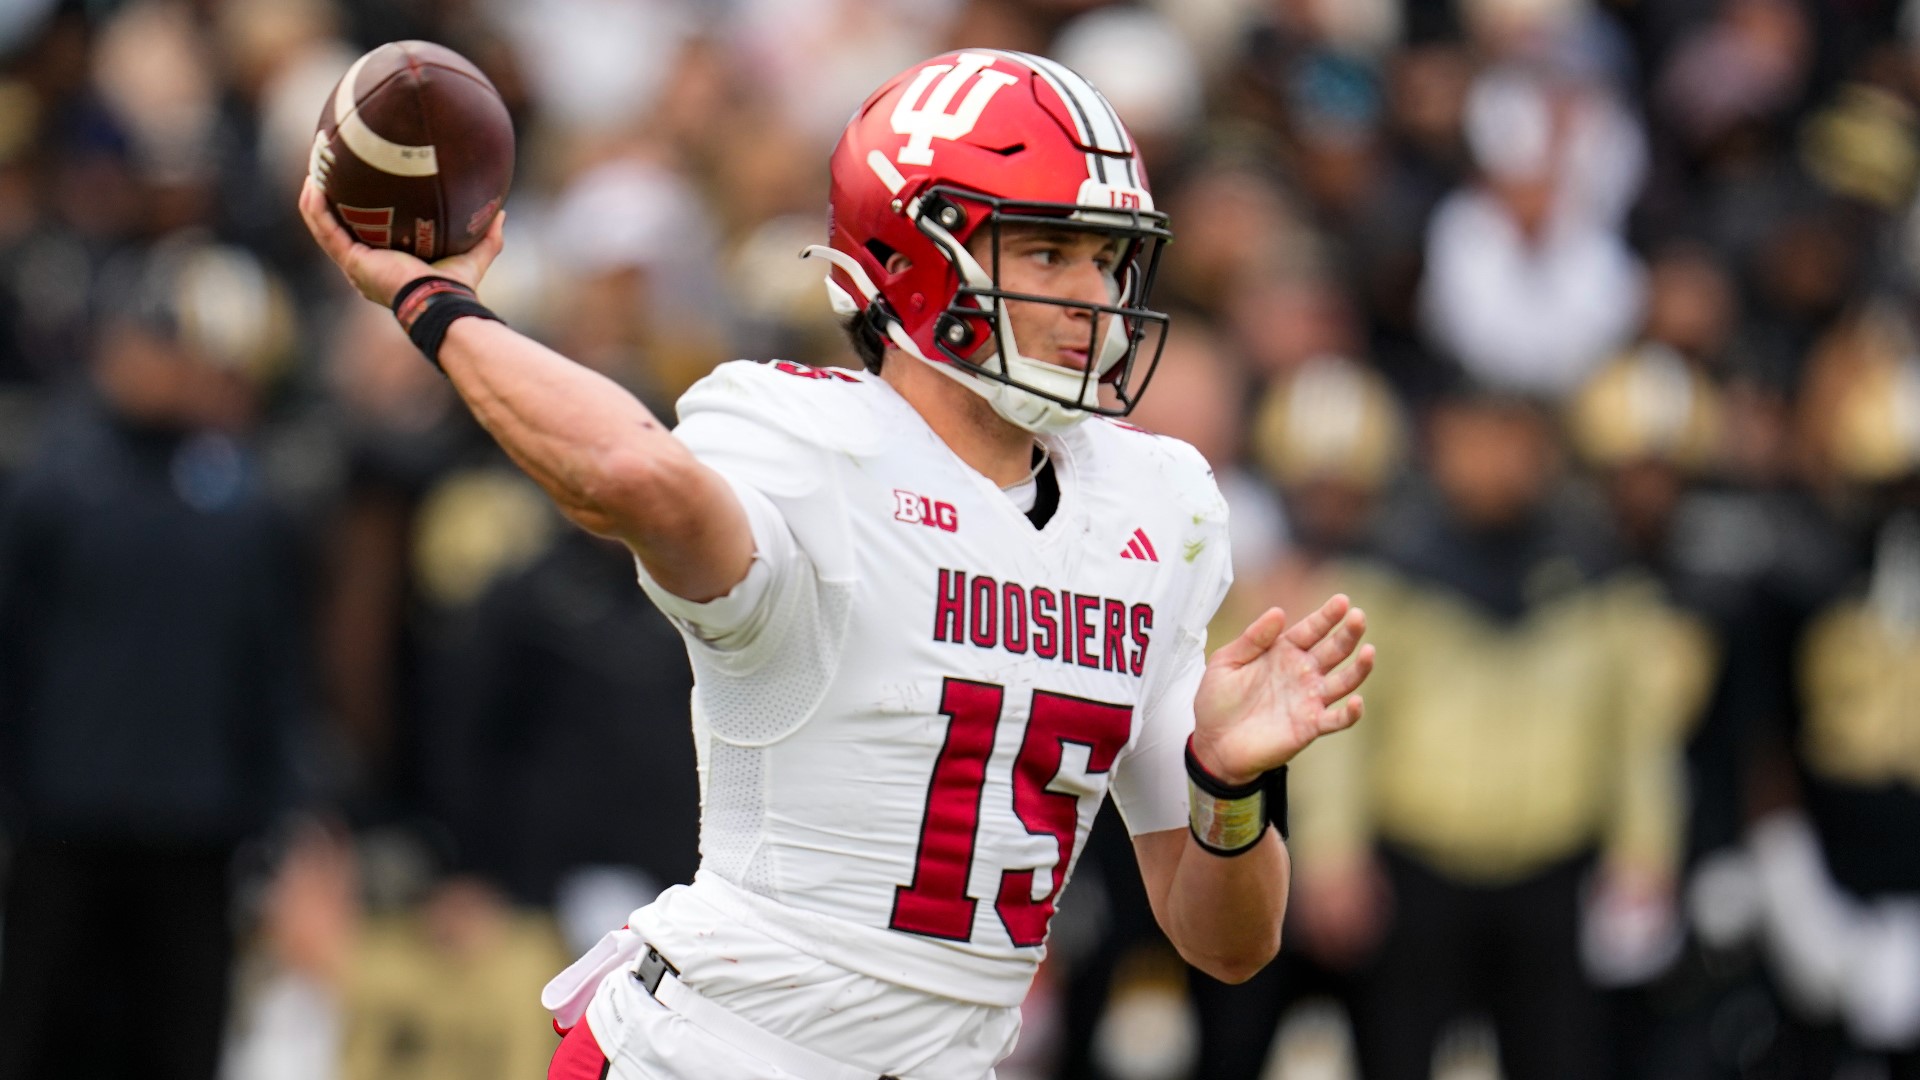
(925, 121)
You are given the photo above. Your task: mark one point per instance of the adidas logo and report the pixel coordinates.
(1139, 547)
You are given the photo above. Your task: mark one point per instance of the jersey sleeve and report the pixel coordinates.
(784, 438)
(735, 622)
(765, 652)
(1150, 780)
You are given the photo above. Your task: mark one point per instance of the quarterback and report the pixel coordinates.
(937, 609)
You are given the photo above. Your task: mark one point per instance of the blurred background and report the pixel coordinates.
(1576, 339)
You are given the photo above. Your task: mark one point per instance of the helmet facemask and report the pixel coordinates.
(1122, 333)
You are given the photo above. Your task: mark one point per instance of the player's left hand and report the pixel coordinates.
(1275, 688)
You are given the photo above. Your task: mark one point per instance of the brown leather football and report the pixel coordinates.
(414, 150)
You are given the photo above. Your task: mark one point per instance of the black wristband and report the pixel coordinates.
(1230, 819)
(427, 306)
(1215, 786)
(1276, 784)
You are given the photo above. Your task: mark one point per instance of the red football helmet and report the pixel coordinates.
(980, 139)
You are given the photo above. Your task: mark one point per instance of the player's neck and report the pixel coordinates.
(964, 421)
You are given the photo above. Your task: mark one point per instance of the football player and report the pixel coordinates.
(936, 610)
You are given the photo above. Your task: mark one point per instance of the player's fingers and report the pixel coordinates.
(471, 265)
(313, 210)
(1339, 644)
(1345, 680)
(326, 232)
(1254, 641)
(490, 245)
(1342, 716)
(308, 192)
(1315, 626)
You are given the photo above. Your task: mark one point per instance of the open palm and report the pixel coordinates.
(1274, 689)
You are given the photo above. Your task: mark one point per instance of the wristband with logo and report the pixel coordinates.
(1230, 819)
(427, 306)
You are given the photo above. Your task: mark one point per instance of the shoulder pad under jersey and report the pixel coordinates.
(1162, 464)
(825, 407)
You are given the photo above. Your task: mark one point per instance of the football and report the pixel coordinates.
(414, 150)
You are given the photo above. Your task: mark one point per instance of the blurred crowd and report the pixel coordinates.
(1578, 340)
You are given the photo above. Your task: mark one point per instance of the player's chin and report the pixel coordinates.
(1073, 360)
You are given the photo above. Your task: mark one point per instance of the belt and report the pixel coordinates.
(662, 980)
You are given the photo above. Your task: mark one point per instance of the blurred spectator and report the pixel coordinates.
(285, 60)
(1693, 308)
(154, 70)
(1746, 66)
(1519, 765)
(1424, 158)
(819, 58)
(152, 675)
(1650, 428)
(1285, 321)
(390, 423)
(1647, 423)
(777, 297)
(1529, 284)
(399, 1019)
(1840, 880)
(1329, 437)
(599, 65)
(559, 740)
(1804, 272)
(1237, 224)
(428, 982)
(1332, 440)
(640, 295)
(1146, 70)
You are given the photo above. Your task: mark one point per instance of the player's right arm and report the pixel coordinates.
(609, 464)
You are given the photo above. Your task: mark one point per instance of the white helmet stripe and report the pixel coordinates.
(1032, 63)
(1082, 118)
(1106, 133)
(1095, 162)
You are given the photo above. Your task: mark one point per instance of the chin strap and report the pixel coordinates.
(1012, 403)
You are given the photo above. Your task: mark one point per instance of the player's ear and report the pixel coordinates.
(897, 262)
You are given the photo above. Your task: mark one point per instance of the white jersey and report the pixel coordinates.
(909, 713)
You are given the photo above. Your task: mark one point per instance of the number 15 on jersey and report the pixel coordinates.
(936, 903)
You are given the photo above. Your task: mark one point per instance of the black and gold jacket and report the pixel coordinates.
(1528, 706)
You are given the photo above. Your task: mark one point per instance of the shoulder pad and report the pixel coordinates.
(830, 408)
(1177, 467)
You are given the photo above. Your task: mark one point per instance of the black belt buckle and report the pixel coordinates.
(652, 969)
(655, 967)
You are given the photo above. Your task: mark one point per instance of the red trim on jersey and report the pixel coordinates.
(579, 1056)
